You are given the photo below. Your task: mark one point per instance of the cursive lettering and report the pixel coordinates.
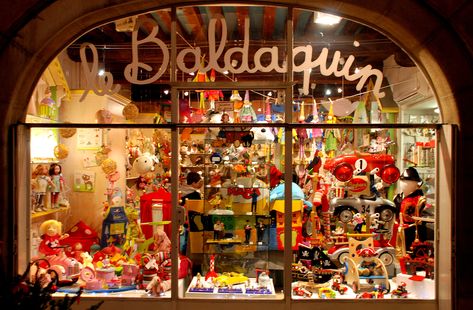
(216, 51)
(100, 85)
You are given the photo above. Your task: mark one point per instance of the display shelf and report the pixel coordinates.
(40, 214)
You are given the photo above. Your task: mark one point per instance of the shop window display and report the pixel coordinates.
(362, 198)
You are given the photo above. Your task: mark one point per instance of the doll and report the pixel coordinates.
(55, 173)
(51, 235)
(41, 181)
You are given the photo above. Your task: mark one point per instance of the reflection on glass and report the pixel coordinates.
(368, 221)
(230, 183)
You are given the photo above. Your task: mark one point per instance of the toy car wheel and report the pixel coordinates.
(345, 215)
(386, 258)
(342, 257)
(386, 215)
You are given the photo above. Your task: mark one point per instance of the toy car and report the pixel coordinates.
(229, 279)
(345, 166)
(384, 251)
(345, 208)
(299, 291)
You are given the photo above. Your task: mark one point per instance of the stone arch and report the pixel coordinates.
(438, 46)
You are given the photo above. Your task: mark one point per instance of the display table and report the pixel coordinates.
(244, 291)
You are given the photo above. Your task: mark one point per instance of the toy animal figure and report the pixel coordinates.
(51, 233)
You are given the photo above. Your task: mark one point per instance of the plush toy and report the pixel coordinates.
(145, 163)
(51, 233)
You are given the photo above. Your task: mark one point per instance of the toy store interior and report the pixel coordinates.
(106, 153)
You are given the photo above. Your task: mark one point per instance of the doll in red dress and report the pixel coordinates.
(51, 235)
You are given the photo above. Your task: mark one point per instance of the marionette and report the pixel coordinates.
(51, 235)
(247, 113)
(55, 173)
(410, 203)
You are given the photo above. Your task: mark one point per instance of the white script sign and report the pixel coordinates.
(104, 85)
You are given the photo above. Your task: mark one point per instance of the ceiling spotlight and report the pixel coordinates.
(339, 90)
(186, 93)
(270, 93)
(166, 91)
(225, 72)
(101, 72)
(328, 92)
(356, 43)
(357, 70)
(326, 19)
(192, 73)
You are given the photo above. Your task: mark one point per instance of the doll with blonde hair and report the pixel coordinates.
(51, 235)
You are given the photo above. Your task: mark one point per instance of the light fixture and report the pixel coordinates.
(186, 93)
(192, 73)
(270, 93)
(234, 63)
(166, 91)
(225, 72)
(326, 19)
(328, 92)
(437, 110)
(356, 43)
(339, 90)
(357, 70)
(101, 72)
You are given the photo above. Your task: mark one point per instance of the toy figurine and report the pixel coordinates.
(400, 291)
(51, 233)
(218, 230)
(410, 203)
(260, 229)
(247, 229)
(40, 186)
(368, 266)
(358, 220)
(55, 173)
(254, 200)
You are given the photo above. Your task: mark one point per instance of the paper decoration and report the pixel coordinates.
(84, 181)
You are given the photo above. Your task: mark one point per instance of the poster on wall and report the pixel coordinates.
(89, 138)
(84, 181)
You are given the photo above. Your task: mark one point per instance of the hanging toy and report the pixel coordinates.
(201, 77)
(247, 114)
(213, 95)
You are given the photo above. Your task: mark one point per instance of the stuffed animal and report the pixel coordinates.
(144, 163)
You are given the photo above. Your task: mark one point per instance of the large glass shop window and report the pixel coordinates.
(367, 227)
(363, 198)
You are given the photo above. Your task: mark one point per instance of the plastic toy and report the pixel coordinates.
(400, 291)
(228, 279)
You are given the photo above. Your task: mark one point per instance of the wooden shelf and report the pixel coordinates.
(47, 212)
